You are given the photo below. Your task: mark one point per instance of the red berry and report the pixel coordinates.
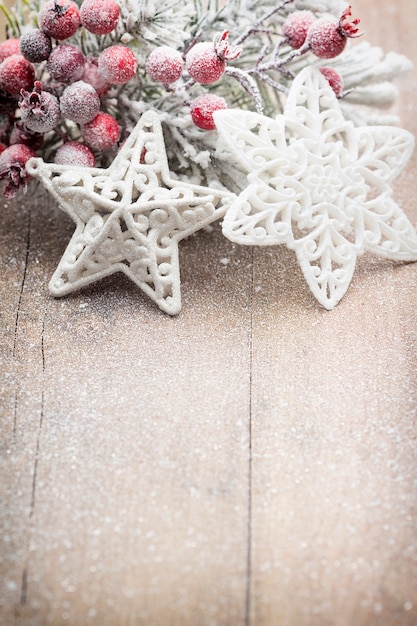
(9, 47)
(59, 19)
(327, 38)
(16, 73)
(117, 64)
(296, 26)
(164, 65)
(92, 77)
(75, 153)
(35, 45)
(39, 109)
(202, 109)
(102, 133)
(80, 102)
(203, 64)
(12, 168)
(334, 79)
(66, 63)
(99, 17)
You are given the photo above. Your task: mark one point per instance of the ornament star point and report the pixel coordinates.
(129, 217)
(317, 184)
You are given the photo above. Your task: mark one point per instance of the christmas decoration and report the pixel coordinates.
(77, 76)
(164, 54)
(130, 217)
(318, 185)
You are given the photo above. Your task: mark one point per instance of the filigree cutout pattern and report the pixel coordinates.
(317, 184)
(129, 217)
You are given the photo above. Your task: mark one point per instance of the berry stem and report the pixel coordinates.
(249, 84)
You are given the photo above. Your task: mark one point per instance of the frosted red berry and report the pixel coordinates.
(296, 26)
(102, 133)
(202, 109)
(75, 153)
(12, 168)
(66, 63)
(16, 73)
(117, 64)
(59, 19)
(92, 76)
(334, 79)
(164, 65)
(35, 45)
(99, 17)
(39, 110)
(203, 64)
(327, 37)
(9, 47)
(79, 102)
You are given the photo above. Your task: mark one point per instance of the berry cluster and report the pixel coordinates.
(73, 102)
(325, 37)
(48, 85)
(205, 63)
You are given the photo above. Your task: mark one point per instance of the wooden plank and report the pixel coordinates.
(20, 392)
(133, 432)
(333, 425)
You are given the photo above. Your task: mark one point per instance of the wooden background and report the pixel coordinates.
(251, 462)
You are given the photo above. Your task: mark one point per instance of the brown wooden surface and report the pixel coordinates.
(250, 462)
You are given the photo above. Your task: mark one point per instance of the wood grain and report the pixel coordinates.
(251, 462)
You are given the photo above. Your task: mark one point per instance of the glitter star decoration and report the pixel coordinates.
(317, 184)
(129, 217)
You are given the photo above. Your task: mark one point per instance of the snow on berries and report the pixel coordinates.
(12, 168)
(334, 79)
(35, 45)
(99, 17)
(202, 109)
(60, 19)
(102, 133)
(16, 73)
(296, 26)
(117, 64)
(75, 153)
(66, 63)
(327, 37)
(206, 61)
(203, 64)
(39, 110)
(164, 65)
(79, 102)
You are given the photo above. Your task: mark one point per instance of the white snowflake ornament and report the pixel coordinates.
(130, 217)
(317, 184)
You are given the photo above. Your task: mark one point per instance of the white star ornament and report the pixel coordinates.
(317, 184)
(129, 217)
